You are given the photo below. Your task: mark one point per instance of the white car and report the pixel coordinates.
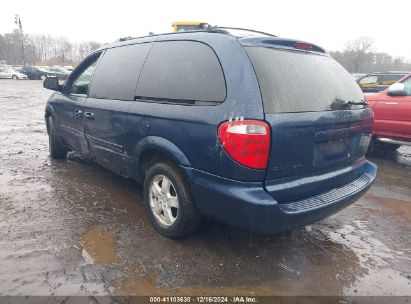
(9, 73)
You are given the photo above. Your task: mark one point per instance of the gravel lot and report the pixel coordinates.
(73, 228)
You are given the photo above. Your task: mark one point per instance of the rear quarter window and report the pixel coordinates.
(182, 71)
(117, 72)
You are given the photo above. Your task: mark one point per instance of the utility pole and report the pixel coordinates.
(17, 21)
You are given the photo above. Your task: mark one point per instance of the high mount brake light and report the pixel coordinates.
(247, 142)
(303, 46)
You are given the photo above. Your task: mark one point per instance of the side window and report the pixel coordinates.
(181, 72)
(391, 77)
(369, 79)
(407, 84)
(118, 71)
(81, 80)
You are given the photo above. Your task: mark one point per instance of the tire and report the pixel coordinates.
(391, 147)
(182, 217)
(14, 77)
(43, 77)
(377, 147)
(384, 147)
(371, 147)
(56, 148)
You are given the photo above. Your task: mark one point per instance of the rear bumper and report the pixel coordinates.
(248, 205)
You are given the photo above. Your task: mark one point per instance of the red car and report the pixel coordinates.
(392, 115)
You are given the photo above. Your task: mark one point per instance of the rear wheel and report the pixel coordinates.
(378, 147)
(43, 77)
(390, 147)
(386, 147)
(56, 148)
(168, 201)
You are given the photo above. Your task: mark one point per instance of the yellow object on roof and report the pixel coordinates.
(182, 26)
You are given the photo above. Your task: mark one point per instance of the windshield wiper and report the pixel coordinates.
(340, 104)
(353, 103)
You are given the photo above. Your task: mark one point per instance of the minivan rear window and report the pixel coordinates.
(292, 81)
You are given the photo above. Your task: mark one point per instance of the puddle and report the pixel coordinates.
(99, 246)
(304, 263)
(150, 284)
(139, 284)
(381, 282)
(398, 207)
(364, 244)
(375, 257)
(46, 205)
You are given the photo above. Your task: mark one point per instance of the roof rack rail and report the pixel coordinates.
(126, 38)
(223, 29)
(209, 28)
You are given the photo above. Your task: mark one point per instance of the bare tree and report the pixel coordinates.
(358, 49)
(361, 44)
(359, 57)
(43, 49)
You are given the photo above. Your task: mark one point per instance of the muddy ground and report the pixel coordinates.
(73, 228)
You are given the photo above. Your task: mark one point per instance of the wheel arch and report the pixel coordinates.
(48, 112)
(151, 149)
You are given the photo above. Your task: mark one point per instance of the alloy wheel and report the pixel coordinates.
(163, 200)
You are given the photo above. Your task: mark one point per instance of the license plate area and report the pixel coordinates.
(332, 151)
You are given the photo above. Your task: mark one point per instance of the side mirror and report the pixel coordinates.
(52, 83)
(397, 89)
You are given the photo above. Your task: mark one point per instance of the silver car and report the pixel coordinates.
(9, 73)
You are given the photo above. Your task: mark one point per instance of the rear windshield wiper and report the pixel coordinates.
(340, 104)
(353, 103)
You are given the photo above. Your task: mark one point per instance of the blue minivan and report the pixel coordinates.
(257, 131)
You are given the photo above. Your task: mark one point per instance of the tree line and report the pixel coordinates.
(359, 56)
(42, 49)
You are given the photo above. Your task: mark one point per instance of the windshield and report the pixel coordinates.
(302, 82)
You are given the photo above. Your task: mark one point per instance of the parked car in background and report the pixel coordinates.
(69, 68)
(392, 115)
(357, 75)
(61, 73)
(377, 82)
(17, 68)
(37, 72)
(249, 130)
(10, 73)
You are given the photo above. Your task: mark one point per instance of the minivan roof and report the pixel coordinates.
(254, 38)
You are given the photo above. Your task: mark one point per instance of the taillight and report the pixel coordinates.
(247, 142)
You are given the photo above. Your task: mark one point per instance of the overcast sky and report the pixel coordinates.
(329, 24)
